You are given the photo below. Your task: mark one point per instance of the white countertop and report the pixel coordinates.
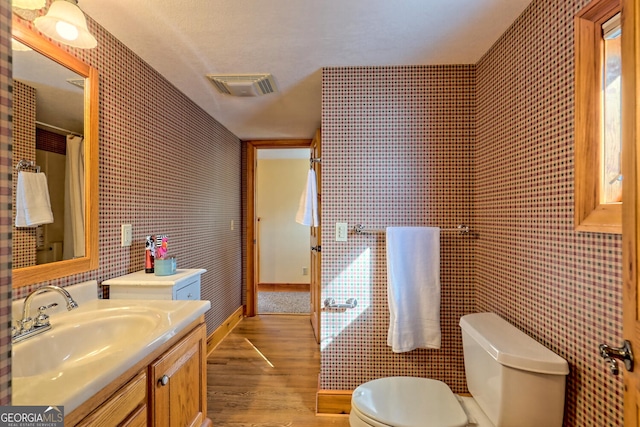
(72, 385)
(140, 278)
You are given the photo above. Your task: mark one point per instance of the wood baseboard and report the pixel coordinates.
(223, 330)
(283, 287)
(333, 401)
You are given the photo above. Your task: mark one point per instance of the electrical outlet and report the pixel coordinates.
(126, 235)
(305, 271)
(341, 231)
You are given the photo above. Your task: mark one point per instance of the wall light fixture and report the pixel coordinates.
(66, 23)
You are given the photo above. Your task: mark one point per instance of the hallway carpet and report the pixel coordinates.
(283, 302)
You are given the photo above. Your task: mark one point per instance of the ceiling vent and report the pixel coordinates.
(243, 84)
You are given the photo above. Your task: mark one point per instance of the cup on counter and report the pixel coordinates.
(165, 266)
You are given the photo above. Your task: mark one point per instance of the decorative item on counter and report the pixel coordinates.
(162, 245)
(150, 254)
(164, 265)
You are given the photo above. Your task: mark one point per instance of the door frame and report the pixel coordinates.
(630, 206)
(251, 265)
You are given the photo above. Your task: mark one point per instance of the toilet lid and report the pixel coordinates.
(409, 402)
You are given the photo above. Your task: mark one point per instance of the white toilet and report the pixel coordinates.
(514, 380)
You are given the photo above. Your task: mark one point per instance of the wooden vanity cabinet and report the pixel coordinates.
(176, 375)
(127, 407)
(167, 388)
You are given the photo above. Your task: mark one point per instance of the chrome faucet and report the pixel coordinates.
(28, 327)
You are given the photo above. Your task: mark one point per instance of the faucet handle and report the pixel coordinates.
(16, 328)
(43, 318)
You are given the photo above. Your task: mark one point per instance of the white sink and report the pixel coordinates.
(83, 337)
(90, 346)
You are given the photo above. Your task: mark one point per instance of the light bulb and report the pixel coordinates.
(66, 30)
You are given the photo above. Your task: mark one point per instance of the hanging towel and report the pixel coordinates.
(308, 207)
(413, 288)
(33, 206)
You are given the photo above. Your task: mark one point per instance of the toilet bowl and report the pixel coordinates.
(514, 381)
(412, 401)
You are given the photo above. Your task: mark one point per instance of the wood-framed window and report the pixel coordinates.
(598, 142)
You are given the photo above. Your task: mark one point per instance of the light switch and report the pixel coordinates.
(341, 231)
(126, 235)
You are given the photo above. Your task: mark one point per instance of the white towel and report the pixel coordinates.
(33, 206)
(413, 288)
(308, 208)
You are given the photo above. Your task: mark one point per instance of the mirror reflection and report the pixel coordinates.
(25, 241)
(48, 127)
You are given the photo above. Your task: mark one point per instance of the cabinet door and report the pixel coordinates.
(178, 394)
(125, 407)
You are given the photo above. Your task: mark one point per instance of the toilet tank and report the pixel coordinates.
(516, 380)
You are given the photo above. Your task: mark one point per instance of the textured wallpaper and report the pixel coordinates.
(23, 147)
(5, 202)
(562, 287)
(490, 145)
(165, 167)
(397, 149)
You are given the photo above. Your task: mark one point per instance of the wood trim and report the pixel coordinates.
(631, 208)
(589, 213)
(92, 153)
(315, 240)
(223, 330)
(283, 287)
(250, 219)
(601, 219)
(333, 401)
(280, 143)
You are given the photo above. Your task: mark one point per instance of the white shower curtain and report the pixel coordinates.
(74, 198)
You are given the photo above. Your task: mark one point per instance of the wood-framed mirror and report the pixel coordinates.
(85, 259)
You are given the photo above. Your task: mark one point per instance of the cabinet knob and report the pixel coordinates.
(163, 381)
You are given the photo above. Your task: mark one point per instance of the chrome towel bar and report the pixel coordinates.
(27, 164)
(359, 229)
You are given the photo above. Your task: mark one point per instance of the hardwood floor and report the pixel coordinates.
(246, 389)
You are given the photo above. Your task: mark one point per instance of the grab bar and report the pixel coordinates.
(349, 303)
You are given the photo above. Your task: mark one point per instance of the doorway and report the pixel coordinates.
(253, 149)
(282, 260)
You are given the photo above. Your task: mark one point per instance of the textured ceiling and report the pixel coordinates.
(293, 40)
